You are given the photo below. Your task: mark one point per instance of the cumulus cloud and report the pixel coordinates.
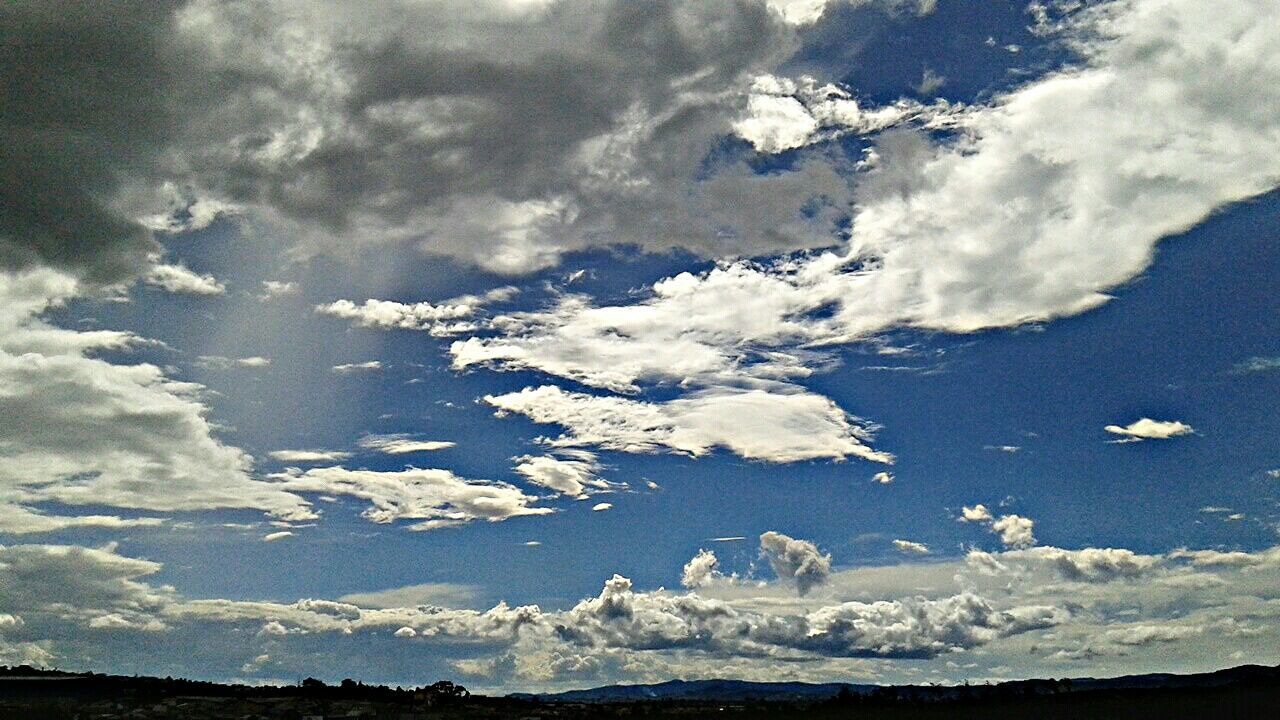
(795, 560)
(601, 507)
(784, 114)
(575, 474)
(1148, 429)
(754, 424)
(978, 513)
(700, 570)
(180, 279)
(882, 478)
(450, 317)
(436, 498)
(1022, 215)
(64, 591)
(83, 431)
(1014, 531)
(402, 444)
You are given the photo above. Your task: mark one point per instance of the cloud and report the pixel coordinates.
(272, 289)
(1148, 429)
(436, 594)
(754, 424)
(59, 596)
(281, 535)
(1014, 530)
(308, 456)
(910, 548)
(1258, 364)
(977, 513)
(358, 367)
(219, 362)
(1020, 214)
(83, 431)
(437, 498)
(450, 317)
(601, 507)
(784, 114)
(402, 444)
(795, 560)
(882, 478)
(575, 475)
(700, 570)
(179, 279)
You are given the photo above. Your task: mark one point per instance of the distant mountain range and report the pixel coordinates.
(738, 690)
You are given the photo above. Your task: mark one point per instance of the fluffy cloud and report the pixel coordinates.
(574, 475)
(449, 317)
(180, 279)
(784, 114)
(700, 570)
(437, 498)
(754, 424)
(615, 106)
(83, 431)
(1148, 429)
(1022, 215)
(795, 560)
(978, 513)
(61, 596)
(1014, 531)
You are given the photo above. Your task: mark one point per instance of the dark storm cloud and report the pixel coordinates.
(463, 126)
(86, 101)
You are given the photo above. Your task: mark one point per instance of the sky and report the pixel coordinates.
(548, 344)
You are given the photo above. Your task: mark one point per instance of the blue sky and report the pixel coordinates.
(877, 341)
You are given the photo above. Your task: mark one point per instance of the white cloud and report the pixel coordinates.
(1024, 215)
(784, 114)
(219, 362)
(795, 560)
(700, 570)
(272, 289)
(308, 456)
(910, 548)
(977, 513)
(180, 279)
(349, 368)
(449, 317)
(882, 478)
(601, 507)
(754, 424)
(402, 444)
(437, 498)
(281, 535)
(1148, 429)
(80, 430)
(575, 475)
(406, 632)
(1015, 531)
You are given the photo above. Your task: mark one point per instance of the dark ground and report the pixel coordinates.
(1244, 692)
